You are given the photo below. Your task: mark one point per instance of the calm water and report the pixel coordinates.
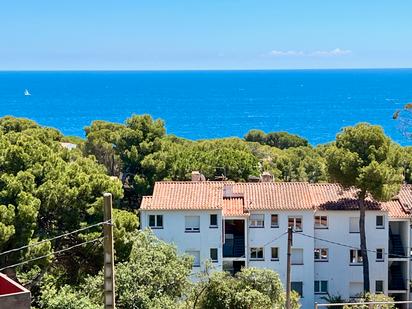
(195, 105)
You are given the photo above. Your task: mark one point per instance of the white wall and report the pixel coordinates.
(174, 232)
(338, 270)
(261, 236)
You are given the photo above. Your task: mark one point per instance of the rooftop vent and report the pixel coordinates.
(198, 176)
(266, 177)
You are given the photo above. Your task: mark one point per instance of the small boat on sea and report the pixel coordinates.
(27, 93)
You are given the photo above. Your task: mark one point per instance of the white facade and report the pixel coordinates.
(245, 225)
(343, 277)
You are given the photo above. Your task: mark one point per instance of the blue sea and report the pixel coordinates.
(315, 104)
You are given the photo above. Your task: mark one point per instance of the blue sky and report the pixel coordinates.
(212, 34)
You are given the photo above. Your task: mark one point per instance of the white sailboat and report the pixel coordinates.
(26, 92)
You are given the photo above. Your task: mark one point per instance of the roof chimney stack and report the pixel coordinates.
(197, 176)
(266, 177)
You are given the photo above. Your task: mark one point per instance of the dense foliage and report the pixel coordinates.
(47, 189)
(251, 288)
(281, 140)
(363, 157)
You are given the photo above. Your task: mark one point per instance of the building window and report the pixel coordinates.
(321, 222)
(192, 223)
(355, 289)
(355, 257)
(321, 254)
(354, 225)
(275, 254)
(213, 221)
(256, 254)
(380, 222)
(297, 256)
(274, 221)
(156, 221)
(257, 220)
(295, 223)
(196, 257)
(378, 286)
(321, 287)
(213, 255)
(297, 286)
(379, 255)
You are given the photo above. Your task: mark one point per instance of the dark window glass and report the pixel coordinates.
(159, 221)
(152, 220)
(213, 254)
(213, 220)
(274, 221)
(379, 221)
(297, 286)
(275, 253)
(379, 286)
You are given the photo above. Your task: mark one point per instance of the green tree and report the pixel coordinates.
(363, 157)
(124, 147)
(257, 136)
(249, 288)
(47, 190)
(153, 276)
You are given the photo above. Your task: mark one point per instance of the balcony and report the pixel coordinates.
(396, 248)
(396, 277)
(234, 245)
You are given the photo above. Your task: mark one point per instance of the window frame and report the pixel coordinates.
(320, 259)
(382, 259)
(376, 287)
(320, 226)
(301, 287)
(277, 220)
(294, 218)
(291, 256)
(357, 225)
(189, 252)
(380, 227)
(256, 226)
(358, 255)
(256, 250)
(277, 254)
(192, 229)
(318, 287)
(213, 226)
(211, 256)
(156, 221)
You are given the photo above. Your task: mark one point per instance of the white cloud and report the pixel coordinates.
(318, 53)
(280, 53)
(333, 52)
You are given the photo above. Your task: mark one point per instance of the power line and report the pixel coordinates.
(53, 253)
(54, 238)
(348, 246)
(273, 240)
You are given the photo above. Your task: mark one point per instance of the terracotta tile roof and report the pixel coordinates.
(186, 195)
(234, 207)
(236, 199)
(275, 195)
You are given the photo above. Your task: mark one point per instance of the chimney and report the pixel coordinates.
(266, 177)
(197, 176)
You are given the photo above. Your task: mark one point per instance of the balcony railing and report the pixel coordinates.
(234, 247)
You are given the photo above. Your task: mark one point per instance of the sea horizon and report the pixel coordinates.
(203, 104)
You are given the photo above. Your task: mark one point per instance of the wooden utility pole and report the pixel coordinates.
(288, 267)
(109, 287)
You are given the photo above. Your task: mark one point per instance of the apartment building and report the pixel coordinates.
(234, 225)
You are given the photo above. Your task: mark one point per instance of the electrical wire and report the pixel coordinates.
(348, 246)
(54, 238)
(53, 253)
